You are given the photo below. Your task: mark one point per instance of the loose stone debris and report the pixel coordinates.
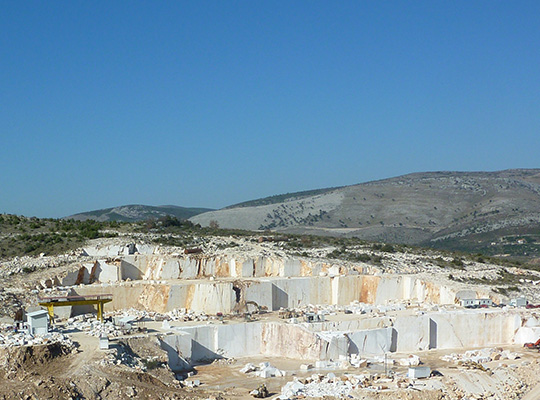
(11, 338)
(481, 356)
(330, 385)
(119, 356)
(263, 370)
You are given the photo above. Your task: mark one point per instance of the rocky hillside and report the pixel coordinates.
(432, 207)
(136, 212)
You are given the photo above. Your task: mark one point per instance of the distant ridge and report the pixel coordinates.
(138, 212)
(418, 208)
(278, 198)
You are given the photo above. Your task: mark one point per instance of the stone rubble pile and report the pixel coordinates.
(319, 385)
(481, 356)
(354, 307)
(10, 338)
(119, 356)
(263, 370)
(187, 315)
(88, 324)
(134, 315)
(357, 307)
(181, 315)
(25, 264)
(121, 322)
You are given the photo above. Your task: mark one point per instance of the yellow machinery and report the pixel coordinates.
(99, 300)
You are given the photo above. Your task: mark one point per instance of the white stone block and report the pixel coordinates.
(419, 372)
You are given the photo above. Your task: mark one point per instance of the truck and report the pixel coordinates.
(532, 346)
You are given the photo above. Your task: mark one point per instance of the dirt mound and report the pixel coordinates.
(50, 372)
(32, 358)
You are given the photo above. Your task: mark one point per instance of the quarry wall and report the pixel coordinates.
(332, 340)
(225, 283)
(272, 293)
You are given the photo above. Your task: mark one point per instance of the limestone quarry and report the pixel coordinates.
(245, 317)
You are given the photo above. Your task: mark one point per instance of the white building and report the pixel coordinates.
(476, 302)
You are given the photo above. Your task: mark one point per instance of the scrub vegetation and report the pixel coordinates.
(21, 235)
(32, 236)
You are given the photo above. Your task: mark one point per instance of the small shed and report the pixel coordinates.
(467, 302)
(419, 372)
(476, 302)
(38, 322)
(519, 302)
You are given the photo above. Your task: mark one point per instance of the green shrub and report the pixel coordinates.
(388, 248)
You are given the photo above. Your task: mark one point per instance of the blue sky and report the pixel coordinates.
(212, 103)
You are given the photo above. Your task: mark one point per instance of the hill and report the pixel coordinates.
(439, 209)
(279, 198)
(136, 212)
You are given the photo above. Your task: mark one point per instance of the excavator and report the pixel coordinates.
(533, 346)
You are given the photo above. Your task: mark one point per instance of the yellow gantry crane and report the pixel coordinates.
(99, 300)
